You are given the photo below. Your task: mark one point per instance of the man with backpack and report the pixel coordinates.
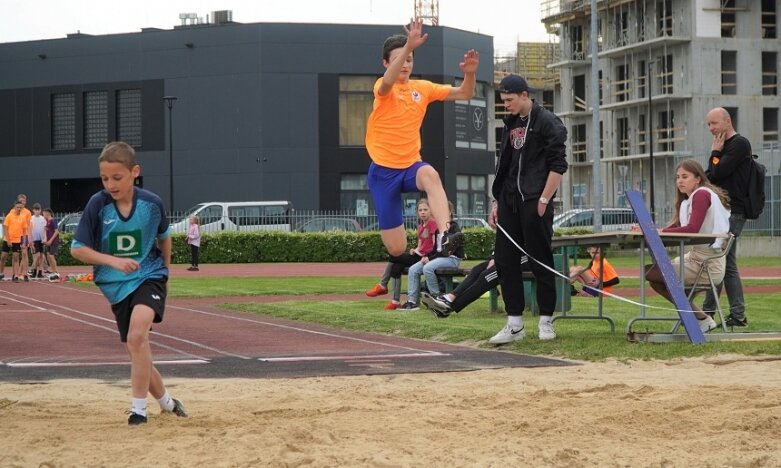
(729, 167)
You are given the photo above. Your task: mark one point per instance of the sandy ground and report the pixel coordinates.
(723, 411)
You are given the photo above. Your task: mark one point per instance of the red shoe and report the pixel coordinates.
(392, 305)
(377, 290)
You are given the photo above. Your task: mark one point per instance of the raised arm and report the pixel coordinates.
(415, 39)
(469, 67)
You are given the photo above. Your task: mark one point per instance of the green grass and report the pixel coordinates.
(577, 339)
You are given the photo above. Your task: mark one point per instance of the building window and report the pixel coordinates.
(664, 15)
(770, 124)
(356, 97)
(579, 92)
(642, 131)
(667, 131)
(95, 119)
(578, 143)
(622, 28)
(622, 125)
(641, 79)
(729, 72)
(769, 73)
(129, 116)
(769, 19)
(471, 195)
(576, 39)
(665, 74)
(728, 18)
(63, 121)
(354, 194)
(622, 83)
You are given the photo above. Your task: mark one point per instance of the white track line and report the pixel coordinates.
(94, 364)
(114, 330)
(353, 359)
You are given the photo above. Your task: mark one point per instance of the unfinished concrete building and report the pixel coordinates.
(662, 65)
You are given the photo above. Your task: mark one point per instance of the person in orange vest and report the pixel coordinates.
(589, 275)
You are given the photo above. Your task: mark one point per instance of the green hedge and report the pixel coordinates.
(270, 246)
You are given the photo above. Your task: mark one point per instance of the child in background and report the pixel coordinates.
(589, 275)
(194, 241)
(428, 265)
(427, 229)
(51, 243)
(38, 234)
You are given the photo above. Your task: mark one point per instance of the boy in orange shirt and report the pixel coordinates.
(589, 275)
(393, 138)
(16, 226)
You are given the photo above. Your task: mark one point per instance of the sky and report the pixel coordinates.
(28, 20)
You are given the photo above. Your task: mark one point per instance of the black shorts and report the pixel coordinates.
(6, 248)
(14, 247)
(151, 293)
(53, 249)
(38, 246)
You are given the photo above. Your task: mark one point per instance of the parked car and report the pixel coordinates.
(329, 224)
(237, 216)
(69, 222)
(472, 222)
(613, 219)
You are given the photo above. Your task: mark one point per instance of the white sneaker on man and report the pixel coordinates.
(546, 331)
(508, 334)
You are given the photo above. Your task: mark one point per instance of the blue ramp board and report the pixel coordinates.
(659, 255)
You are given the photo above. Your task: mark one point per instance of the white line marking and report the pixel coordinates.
(114, 330)
(351, 358)
(110, 363)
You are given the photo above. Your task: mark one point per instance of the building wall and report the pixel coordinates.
(255, 114)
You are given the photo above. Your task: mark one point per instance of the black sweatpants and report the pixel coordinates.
(480, 280)
(534, 234)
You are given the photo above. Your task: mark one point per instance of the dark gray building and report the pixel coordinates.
(263, 112)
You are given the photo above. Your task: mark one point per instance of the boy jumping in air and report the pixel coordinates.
(393, 138)
(124, 234)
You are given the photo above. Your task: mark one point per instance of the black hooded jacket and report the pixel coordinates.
(543, 151)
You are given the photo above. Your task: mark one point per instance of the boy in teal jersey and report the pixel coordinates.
(124, 234)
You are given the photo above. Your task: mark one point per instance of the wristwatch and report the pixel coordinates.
(543, 200)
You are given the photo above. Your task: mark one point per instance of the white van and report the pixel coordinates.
(238, 216)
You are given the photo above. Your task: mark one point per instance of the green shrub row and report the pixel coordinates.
(271, 247)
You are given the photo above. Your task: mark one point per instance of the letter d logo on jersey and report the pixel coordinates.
(125, 244)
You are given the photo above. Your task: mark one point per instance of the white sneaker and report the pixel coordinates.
(546, 331)
(508, 334)
(707, 324)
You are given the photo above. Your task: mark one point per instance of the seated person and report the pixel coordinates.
(431, 262)
(481, 279)
(589, 275)
(427, 229)
(700, 207)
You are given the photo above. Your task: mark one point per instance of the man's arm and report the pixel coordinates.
(467, 88)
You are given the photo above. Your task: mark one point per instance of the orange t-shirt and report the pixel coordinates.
(17, 225)
(610, 273)
(393, 130)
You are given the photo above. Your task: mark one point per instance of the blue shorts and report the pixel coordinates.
(386, 186)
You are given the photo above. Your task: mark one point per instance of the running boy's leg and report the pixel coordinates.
(140, 352)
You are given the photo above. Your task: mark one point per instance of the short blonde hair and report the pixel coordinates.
(118, 152)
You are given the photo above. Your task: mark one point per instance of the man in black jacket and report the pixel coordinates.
(531, 163)
(728, 168)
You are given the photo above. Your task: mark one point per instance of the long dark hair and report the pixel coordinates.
(694, 167)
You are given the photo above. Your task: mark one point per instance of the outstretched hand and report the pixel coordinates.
(415, 36)
(471, 61)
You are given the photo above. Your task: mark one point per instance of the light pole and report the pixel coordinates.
(170, 100)
(651, 143)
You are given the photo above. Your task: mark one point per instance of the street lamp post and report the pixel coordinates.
(651, 144)
(170, 100)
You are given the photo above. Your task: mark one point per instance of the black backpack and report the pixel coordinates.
(755, 202)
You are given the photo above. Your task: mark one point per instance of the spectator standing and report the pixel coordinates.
(531, 162)
(194, 241)
(38, 234)
(15, 226)
(728, 168)
(51, 243)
